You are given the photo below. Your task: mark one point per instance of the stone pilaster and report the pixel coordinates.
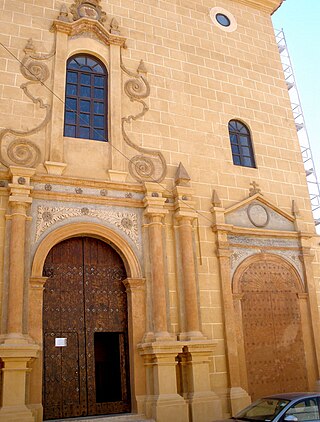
(17, 349)
(136, 294)
(185, 215)
(239, 398)
(155, 212)
(307, 258)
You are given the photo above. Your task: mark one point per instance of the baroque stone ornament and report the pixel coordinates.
(127, 222)
(90, 9)
(258, 215)
(15, 148)
(149, 165)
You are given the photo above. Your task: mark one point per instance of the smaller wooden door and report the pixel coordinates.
(272, 330)
(86, 362)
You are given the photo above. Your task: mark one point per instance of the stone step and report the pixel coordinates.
(128, 417)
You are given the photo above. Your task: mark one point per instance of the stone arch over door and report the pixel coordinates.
(267, 291)
(134, 286)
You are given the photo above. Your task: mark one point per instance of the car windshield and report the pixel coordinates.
(262, 410)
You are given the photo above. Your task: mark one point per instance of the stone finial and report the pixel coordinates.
(255, 189)
(182, 178)
(64, 14)
(142, 67)
(114, 27)
(295, 209)
(215, 200)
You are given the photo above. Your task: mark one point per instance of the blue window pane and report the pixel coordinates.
(236, 160)
(244, 140)
(98, 121)
(99, 81)
(246, 151)
(81, 60)
(247, 161)
(84, 132)
(98, 108)
(72, 77)
(70, 131)
(86, 69)
(233, 139)
(71, 104)
(85, 91)
(71, 89)
(98, 69)
(99, 135)
(84, 119)
(85, 105)
(73, 64)
(99, 93)
(85, 79)
(70, 117)
(235, 149)
(91, 62)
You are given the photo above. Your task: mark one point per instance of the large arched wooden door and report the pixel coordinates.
(86, 365)
(271, 326)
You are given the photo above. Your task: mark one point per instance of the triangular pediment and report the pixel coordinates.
(256, 212)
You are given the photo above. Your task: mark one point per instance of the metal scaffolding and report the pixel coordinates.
(312, 180)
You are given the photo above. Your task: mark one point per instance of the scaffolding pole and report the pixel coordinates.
(311, 174)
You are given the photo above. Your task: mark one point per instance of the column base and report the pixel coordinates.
(205, 406)
(239, 399)
(169, 408)
(192, 336)
(16, 414)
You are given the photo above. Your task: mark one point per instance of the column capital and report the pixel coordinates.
(184, 205)
(134, 284)
(154, 202)
(20, 188)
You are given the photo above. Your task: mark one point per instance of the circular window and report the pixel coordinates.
(223, 19)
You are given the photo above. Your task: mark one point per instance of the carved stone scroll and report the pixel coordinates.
(149, 165)
(15, 147)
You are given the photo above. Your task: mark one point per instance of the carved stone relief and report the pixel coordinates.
(15, 146)
(239, 254)
(257, 215)
(126, 222)
(88, 9)
(149, 165)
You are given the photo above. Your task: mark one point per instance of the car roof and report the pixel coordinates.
(293, 396)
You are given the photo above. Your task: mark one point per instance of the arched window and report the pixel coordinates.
(86, 103)
(241, 145)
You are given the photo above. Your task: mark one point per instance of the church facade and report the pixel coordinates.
(158, 251)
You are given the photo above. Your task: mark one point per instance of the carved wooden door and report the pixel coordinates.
(86, 369)
(272, 330)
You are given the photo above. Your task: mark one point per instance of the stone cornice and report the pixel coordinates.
(85, 25)
(269, 6)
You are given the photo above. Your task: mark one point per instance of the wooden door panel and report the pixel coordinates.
(272, 329)
(84, 295)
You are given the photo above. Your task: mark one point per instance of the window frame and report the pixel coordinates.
(241, 144)
(92, 128)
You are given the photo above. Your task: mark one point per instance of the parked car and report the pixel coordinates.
(289, 407)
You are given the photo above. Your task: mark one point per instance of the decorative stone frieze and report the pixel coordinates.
(127, 222)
